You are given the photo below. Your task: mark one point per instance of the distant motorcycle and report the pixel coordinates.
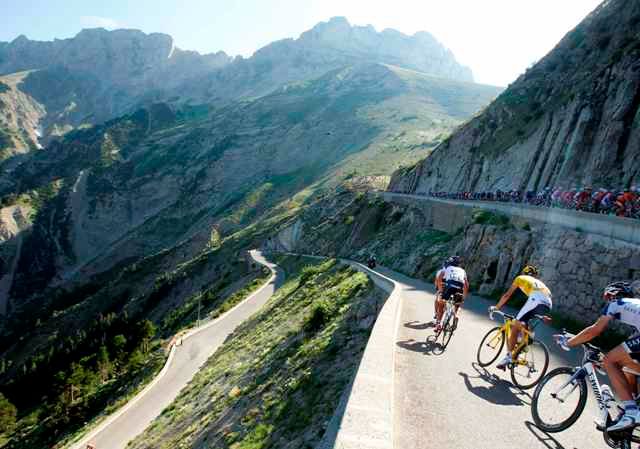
(371, 263)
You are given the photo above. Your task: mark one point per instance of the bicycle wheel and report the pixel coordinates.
(447, 330)
(530, 365)
(558, 401)
(490, 347)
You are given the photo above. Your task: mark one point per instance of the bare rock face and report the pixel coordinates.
(572, 119)
(328, 46)
(93, 77)
(120, 57)
(420, 52)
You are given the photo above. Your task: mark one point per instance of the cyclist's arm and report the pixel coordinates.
(506, 297)
(465, 291)
(439, 281)
(591, 332)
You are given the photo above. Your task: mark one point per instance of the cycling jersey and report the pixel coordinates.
(529, 285)
(454, 277)
(539, 297)
(626, 310)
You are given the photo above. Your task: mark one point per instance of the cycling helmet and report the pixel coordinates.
(452, 261)
(617, 290)
(530, 270)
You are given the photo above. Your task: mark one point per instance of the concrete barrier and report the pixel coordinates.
(364, 417)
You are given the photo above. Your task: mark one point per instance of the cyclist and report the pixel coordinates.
(451, 281)
(538, 303)
(620, 305)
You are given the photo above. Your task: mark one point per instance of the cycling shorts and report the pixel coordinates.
(455, 293)
(632, 346)
(537, 304)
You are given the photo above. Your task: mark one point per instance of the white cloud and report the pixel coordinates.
(98, 22)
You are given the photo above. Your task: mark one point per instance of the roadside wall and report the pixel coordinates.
(620, 228)
(578, 253)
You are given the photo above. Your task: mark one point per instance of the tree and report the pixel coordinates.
(75, 381)
(136, 359)
(147, 331)
(8, 414)
(119, 343)
(104, 364)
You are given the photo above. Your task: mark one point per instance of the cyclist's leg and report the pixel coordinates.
(440, 303)
(439, 308)
(435, 305)
(626, 354)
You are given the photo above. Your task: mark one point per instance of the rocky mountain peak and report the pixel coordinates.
(420, 52)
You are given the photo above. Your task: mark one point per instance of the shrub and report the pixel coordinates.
(491, 218)
(8, 414)
(321, 314)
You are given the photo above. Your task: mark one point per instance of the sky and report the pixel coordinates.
(498, 39)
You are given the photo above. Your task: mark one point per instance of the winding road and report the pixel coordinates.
(442, 400)
(183, 363)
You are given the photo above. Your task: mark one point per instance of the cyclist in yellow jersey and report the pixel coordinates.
(538, 303)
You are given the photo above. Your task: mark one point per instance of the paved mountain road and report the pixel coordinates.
(187, 360)
(447, 401)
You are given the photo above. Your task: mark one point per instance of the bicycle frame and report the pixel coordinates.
(587, 371)
(506, 330)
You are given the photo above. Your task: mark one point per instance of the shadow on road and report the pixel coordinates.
(428, 347)
(418, 325)
(543, 436)
(495, 390)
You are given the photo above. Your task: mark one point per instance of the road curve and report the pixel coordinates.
(447, 401)
(185, 360)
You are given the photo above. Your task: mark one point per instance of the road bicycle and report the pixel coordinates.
(530, 357)
(561, 396)
(449, 320)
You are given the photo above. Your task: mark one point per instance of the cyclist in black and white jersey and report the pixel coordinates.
(451, 282)
(621, 306)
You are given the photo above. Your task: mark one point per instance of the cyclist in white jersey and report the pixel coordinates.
(623, 307)
(451, 283)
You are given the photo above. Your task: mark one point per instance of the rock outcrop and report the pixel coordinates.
(571, 119)
(91, 78)
(119, 57)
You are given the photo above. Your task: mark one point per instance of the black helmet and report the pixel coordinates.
(453, 261)
(530, 270)
(617, 290)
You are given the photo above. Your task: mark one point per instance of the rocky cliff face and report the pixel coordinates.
(572, 119)
(120, 57)
(91, 78)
